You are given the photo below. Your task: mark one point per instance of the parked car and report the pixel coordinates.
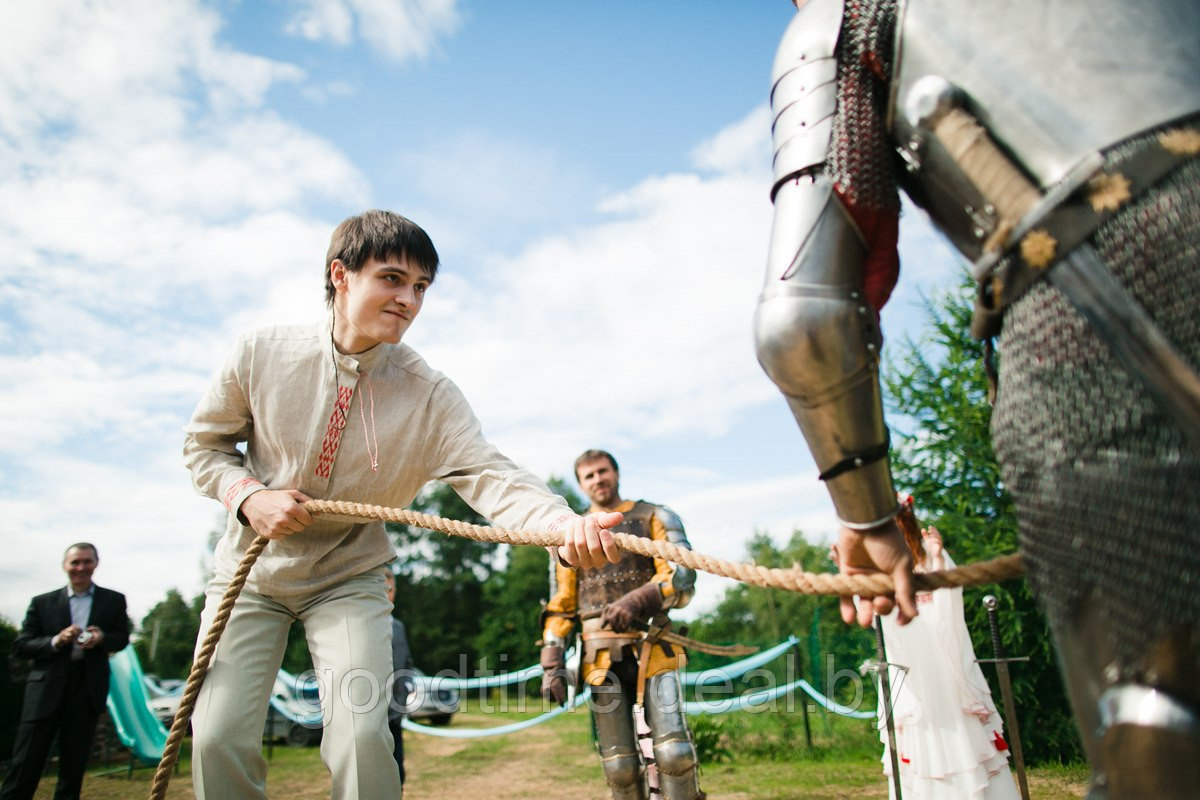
(294, 713)
(159, 687)
(164, 708)
(430, 702)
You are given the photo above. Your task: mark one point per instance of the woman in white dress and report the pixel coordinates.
(949, 737)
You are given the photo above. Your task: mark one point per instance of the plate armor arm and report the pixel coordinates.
(676, 582)
(816, 333)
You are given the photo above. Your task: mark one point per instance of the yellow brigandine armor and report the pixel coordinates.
(576, 594)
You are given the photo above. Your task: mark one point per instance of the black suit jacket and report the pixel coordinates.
(48, 614)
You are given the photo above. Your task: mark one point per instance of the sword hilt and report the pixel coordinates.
(990, 603)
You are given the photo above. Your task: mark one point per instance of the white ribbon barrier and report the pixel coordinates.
(737, 669)
(724, 705)
(723, 674)
(761, 698)
(486, 682)
(513, 727)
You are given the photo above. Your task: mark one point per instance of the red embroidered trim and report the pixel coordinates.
(234, 490)
(333, 433)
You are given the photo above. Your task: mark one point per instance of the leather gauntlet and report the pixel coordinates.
(640, 604)
(554, 674)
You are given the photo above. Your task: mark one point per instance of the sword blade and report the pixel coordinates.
(885, 691)
(1014, 730)
(1006, 695)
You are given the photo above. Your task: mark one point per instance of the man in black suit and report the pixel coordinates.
(69, 634)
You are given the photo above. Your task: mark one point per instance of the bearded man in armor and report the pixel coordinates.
(1055, 145)
(637, 702)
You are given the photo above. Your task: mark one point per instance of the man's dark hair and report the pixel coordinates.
(83, 546)
(595, 455)
(380, 235)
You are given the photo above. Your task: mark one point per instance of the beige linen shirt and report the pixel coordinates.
(287, 411)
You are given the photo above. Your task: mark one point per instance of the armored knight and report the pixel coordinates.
(637, 701)
(1055, 145)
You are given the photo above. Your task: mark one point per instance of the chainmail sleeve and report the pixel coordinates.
(861, 160)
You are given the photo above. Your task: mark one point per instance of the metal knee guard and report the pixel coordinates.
(1149, 745)
(674, 752)
(616, 741)
(1140, 723)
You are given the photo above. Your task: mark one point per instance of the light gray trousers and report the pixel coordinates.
(348, 627)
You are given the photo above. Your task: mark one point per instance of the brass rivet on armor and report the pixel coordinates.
(1038, 248)
(1107, 192)
(1181, 141)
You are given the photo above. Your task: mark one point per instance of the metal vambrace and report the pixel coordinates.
(816, 335)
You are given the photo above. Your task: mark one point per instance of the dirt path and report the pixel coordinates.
(531, 764)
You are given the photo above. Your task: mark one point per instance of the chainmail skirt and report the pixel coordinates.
(1106, 487)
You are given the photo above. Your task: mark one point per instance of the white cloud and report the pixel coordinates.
(150, 206)
(638, 325)
(398, 29)
(146, 523)
(744, 146)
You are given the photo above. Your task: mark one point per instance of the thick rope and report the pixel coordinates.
(794, 580)
(162, 776)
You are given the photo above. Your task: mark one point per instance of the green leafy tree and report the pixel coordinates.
(945, 460)
(514, 597)
(13, 672)
(764, 617)
(460, 599)
(168, 635)
(439, 583)
(563, 488)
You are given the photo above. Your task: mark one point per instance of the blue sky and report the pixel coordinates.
(595, 176)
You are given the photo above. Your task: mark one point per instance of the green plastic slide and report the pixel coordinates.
(129, 707)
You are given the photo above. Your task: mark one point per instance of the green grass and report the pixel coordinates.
(764, 756)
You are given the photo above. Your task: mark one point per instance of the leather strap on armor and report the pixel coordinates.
(1068, 225)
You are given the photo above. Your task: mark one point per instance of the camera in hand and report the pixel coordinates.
(84, 637)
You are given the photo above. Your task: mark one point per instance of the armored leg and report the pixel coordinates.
(616, 740)
(1140, 725)
(673, 749)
